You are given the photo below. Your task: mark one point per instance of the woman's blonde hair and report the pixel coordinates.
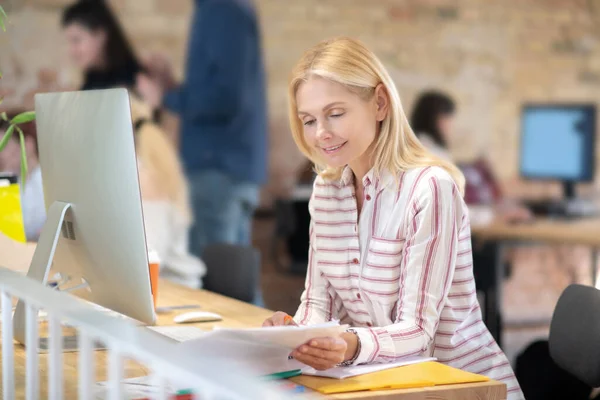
(161, 172)
(348, 62)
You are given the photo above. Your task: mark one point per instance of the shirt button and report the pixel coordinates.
(369, 324)
(355, 261)
(368, 197)
(358, 296)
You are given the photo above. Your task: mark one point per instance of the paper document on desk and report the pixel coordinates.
(347, 372)
(261, 351)
(288, 336)
(255, 357)
(142, 387)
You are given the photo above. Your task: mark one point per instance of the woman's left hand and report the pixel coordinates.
(321, 353)
(327, 352)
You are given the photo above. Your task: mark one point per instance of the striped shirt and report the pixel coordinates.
(401, 272)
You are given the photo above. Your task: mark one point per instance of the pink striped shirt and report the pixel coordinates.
(401, 273)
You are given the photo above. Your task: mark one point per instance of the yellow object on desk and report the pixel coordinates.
(11, 214)
(411, 376)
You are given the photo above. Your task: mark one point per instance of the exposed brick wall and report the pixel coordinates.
(492, 55)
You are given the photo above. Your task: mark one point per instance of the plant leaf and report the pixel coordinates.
(6, 137)
(24, 117)
(23, 155)
(4, 117)
(3, 17)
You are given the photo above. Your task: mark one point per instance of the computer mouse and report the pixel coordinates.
(197, 316)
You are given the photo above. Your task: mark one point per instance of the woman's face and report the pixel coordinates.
(86, 47)
(339, 125)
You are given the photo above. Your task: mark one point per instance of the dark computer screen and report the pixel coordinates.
(557, 142)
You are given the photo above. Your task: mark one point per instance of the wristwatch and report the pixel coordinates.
(351, 361)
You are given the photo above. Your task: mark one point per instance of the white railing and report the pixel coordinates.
(207, 378)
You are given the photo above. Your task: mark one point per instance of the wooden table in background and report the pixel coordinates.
(583, 231)
(235, 314)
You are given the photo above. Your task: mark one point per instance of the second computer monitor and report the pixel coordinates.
(558, 143)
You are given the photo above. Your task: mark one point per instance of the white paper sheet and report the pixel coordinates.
(289, 337)
(133, 388)
(261, 351)
(347, 372)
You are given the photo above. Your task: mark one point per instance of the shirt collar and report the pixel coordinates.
(380, 182)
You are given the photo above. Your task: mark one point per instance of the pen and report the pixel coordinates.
(284, 374)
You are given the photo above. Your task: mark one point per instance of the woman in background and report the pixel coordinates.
(99, 47)
(433, 120)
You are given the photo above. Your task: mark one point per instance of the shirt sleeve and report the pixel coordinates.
(428, 260)
(315, 302)
(215, 70)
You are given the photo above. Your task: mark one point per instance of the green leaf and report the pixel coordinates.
(24, 117)
(3, 17)
(4, 116)
(6, 137)
(23, 155)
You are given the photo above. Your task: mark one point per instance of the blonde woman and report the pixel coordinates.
(165, 200)
(390, 250)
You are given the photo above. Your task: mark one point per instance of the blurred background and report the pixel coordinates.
(490, 56)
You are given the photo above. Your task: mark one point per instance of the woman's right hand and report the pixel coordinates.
(279, 319)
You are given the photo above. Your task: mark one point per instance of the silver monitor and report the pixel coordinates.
(94, 229)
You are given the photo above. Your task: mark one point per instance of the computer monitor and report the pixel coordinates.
(94, 227)
(558, 143)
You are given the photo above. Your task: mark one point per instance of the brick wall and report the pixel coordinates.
(492, 55)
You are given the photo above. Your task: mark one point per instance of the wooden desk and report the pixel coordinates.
(580, 231)
(585, 231)
(235, 314)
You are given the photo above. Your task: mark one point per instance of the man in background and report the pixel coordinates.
(223, 112)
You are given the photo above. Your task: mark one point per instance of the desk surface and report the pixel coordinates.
(235, 314)
(584, 231)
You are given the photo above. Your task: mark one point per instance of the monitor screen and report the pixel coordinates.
(557, 142)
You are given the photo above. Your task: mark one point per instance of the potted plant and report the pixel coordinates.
(18, 119)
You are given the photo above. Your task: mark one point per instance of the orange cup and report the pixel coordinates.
(154, 266)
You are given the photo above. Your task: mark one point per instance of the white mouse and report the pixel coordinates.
(196, 316)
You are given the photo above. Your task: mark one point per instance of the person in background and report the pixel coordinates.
(32, 191)
(389, 238)
(99, 47)
(433, 121)
(223, 112)
(165, 200)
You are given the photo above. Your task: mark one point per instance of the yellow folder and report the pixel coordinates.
(410, 376)
(11, 215)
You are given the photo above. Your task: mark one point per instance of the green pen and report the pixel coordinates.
(284, 374)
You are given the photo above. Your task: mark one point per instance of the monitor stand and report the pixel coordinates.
(568, 207)
(39, 269)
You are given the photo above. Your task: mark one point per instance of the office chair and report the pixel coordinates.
(232, 270)
(575, 333)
